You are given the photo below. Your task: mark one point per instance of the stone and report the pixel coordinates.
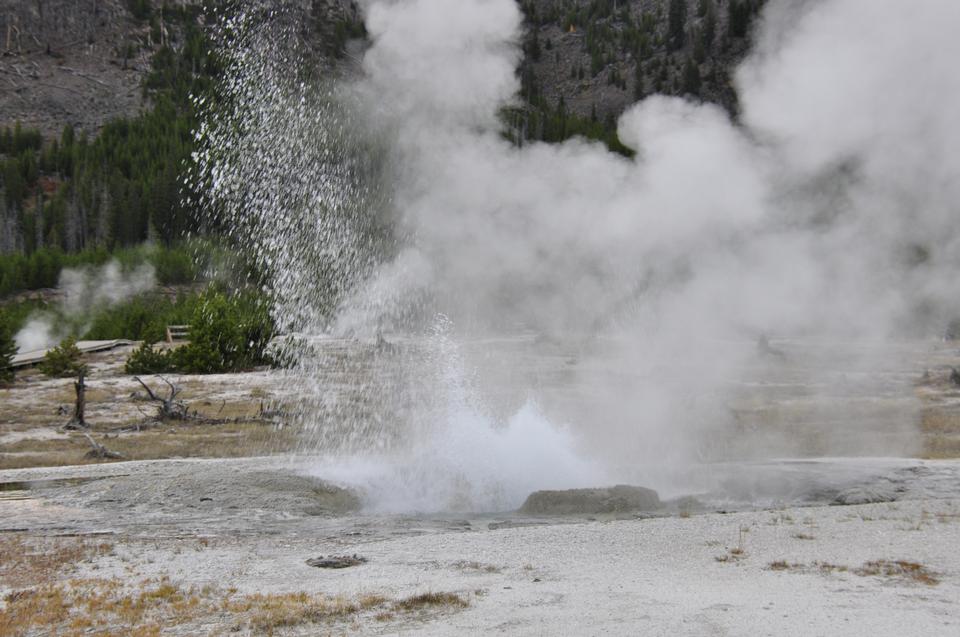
(337, 561)
(618, 499)
(867, 495)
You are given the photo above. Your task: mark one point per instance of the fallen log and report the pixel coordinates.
(100, 452)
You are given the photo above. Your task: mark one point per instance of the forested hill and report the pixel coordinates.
(96, 120)
(586, 61)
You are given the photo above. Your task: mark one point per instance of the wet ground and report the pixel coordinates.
(272, 495)
(832, 546)
(810, 467)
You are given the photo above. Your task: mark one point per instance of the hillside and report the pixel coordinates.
(84, 63)
(596, 57)
(98, 118)
(69, 62)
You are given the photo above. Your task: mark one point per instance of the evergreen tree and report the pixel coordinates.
(691, 78)
(8, 348)
(639, 83)
(739, 14)
(709, 32)
(676, 24)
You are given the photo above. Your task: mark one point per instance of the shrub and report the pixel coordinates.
(226, 334)
(8, 347)
(64, 360)
(147, 360)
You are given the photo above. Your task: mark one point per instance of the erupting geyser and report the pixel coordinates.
(559, 316)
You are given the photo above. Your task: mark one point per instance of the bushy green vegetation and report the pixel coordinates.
(64, 360)
(227, 334)
(148, 359)
(142, 318)
(7, 350)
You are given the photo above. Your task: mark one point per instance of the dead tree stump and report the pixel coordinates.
(78, 421)
(170, 407)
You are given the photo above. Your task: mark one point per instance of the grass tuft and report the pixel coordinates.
(430, 600)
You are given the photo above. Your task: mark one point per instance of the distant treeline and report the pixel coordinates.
(41, 268)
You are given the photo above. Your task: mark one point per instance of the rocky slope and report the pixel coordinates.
(83, 62)
(77, 62)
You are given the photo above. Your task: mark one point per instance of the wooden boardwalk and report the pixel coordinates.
(26, 359)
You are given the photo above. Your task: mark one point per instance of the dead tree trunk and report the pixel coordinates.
(78, 421)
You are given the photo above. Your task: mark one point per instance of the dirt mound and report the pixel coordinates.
(174, 488)
(618, 499)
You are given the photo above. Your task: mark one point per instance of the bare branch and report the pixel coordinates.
(99, 451)
(149, 391)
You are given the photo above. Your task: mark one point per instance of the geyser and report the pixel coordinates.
(380, 199)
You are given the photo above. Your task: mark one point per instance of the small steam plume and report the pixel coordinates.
(824, 216)
(80, 293)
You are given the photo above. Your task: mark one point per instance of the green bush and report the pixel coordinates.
(8, 347)
(63, 361)
(143, 318)
(227, 334)
(147, 360)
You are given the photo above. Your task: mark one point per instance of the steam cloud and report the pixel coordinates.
(81, 292)
(829, 208)
(826, 213)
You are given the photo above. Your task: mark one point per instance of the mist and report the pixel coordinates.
(826, 209)
(821, 218)
(81, 292)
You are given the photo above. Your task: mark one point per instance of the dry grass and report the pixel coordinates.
(782, 565)
(940, 447)
(45, 601)
(39, 561)
(464, 565)
(896, 570)
(940, 429)
(108, 607)
(738, 552)
(167, 440)
(430, 600)
(732, 555)
(899, 570)
(826, 567)
(940, 420)
(266, 613)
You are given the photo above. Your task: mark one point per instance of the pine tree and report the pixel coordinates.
(639, 84)
(691, 78)
(8, 348)
(676, 24)
(709, 27)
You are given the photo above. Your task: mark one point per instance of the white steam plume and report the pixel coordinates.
(715, 218)
(81, 292)
(825, 214)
